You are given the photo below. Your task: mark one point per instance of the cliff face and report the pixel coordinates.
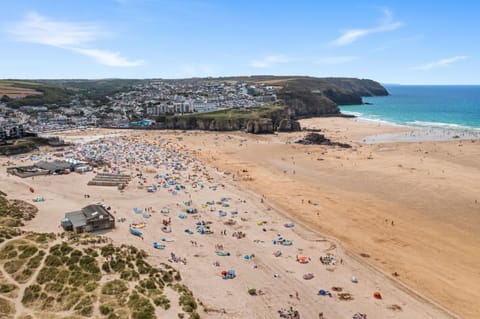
(307, 104)
(310, 97)
(275, 119)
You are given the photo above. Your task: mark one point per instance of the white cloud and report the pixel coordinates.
(38, 29)
(335, 59)
(35, 28)
(440, 63)
(269, 61)
(352, 35)
(108, 58)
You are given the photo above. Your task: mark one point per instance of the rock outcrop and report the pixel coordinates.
(278, 119)
(261, 126)
(288, 125)
(320, 139)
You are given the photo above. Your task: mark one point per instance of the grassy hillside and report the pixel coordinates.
(12, 89)
(251, 113)
(61, 92)
(81, 276)
(22, 145)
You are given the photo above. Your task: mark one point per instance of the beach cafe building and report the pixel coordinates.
(88, 219)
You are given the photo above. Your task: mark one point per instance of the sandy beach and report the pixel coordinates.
(374, 210)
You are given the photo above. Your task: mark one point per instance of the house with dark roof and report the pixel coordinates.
(55, 167)
(89, 219)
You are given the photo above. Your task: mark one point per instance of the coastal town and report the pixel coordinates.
(140, 104)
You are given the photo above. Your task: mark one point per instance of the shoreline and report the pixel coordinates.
(421, 132)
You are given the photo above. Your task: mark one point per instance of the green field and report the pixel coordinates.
(252, 113)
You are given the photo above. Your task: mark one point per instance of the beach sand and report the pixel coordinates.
(430, 190)
(343, 202)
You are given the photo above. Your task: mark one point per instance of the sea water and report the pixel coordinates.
(451, 107)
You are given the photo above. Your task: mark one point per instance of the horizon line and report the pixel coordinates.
(231, 76)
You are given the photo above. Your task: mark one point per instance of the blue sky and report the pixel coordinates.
(408, 42)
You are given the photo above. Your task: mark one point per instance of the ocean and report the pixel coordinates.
(452, 107)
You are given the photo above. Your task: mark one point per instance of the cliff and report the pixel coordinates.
(257, 121)
(310, 97)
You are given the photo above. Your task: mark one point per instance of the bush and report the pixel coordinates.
(85, 306)
(117, 265)
(46, 274)
(53, 287)
(106, 267)
(141, 307)
(129, 275)
(105, 310)
(11, 254)
(188, 303)
(28, 252)
(7, 307)
(6, 288)
(62, 276)
(113, 316)
(108, 250)
(53, 261)
(35, 262)
(150, 284)
(91, 286)
(89, 264)
(194, 315)
(24, 275)
(162, 301)
(114, 287)
(252, 291)
(31, 294)
(167, 277)
(13, 266)
(143, 267)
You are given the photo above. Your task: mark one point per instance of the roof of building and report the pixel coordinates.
(95, 211)
(81, 217)
(54, 166)
(77, 218)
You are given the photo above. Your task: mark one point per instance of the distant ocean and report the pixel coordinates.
(452, 107)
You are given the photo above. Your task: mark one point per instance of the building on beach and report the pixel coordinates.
(89, 219)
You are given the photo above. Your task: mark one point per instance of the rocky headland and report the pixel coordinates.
(299, 97)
